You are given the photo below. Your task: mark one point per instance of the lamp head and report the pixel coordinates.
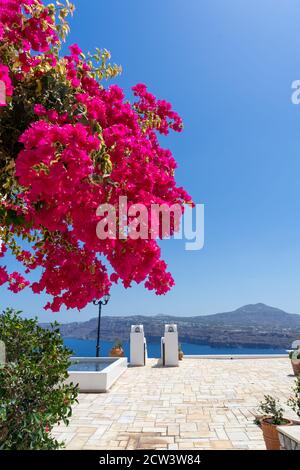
(106, 299)
(103, 301)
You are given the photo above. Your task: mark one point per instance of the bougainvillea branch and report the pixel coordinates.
(68, 143)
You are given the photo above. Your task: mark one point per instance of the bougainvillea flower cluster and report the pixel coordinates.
(79, 145)
(6, 85)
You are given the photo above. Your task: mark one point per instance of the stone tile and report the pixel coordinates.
(173, 430)
(173, 447)
(221, 445)
(154, 429)
(237, 436)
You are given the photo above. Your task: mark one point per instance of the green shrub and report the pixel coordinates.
(294, 402)
(292, 355)
(33, 395)
(272, 409)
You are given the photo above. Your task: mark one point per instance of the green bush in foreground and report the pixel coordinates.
(33, 395)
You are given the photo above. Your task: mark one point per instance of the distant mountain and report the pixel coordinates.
(257, 325)
(259, 313)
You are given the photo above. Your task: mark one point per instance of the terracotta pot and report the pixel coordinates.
(180, 356)
(116, 352)
(271, 435)
(296, 368)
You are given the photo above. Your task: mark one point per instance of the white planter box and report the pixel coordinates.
(97, 381)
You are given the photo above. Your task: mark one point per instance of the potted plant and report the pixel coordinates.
(180, 353)
(272, 417)
(295, 360)
(294, 402)
(117, 350)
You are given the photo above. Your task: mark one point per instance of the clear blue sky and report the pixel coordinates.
(227, 67)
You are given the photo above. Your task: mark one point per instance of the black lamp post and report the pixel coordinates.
(101, 302)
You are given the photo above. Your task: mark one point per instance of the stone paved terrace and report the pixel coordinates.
(203, 404)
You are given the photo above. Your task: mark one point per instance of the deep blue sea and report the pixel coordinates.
(86, 348)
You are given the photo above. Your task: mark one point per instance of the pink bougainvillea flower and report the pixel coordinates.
(6, 88)
(17, 282)
(3, 275)
(75, 50)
